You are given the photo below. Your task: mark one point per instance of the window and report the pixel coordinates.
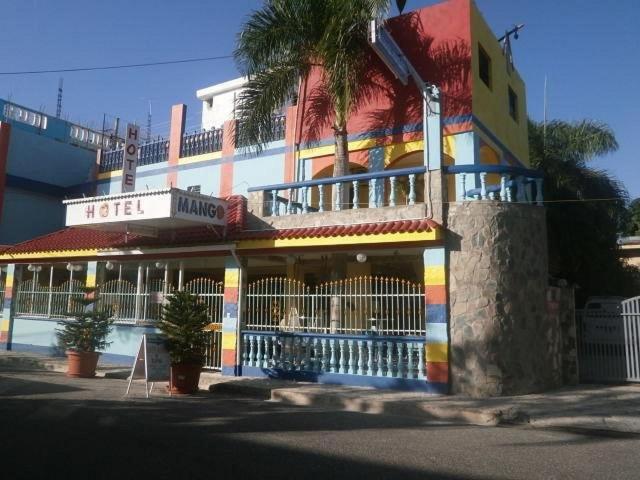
(194, 188)
(485, 66)
(513, 104)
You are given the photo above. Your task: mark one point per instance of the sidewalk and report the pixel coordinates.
(609, 409)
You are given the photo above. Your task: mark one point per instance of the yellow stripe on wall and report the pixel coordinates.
(228, 341)
(4, 325)
(434, 234)
(434, 275)
(200, 158)
(231, 277)
(436, 352)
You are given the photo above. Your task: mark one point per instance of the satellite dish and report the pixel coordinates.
(400, 4)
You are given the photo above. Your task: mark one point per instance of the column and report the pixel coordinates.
(436, 317)
(178, 119)
(228, 152)
(233, 276)
(92, 273)
(7, 310)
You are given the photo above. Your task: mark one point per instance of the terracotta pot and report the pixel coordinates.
(82, 364)
(185, 378)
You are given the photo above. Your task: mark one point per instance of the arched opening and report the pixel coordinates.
(327, 172)
(413, 159)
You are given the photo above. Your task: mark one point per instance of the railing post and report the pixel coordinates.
(392, 191)
(503, 187)
(305, 199)
(412, 189)
(539, 194)
(138, 292)
(50, 300)
(483, 185)
(373, 194)
(463, 178)
(321, 198)
(290, 202)
(274, 203)
(338, 197)
(520, 195)
(356, 199)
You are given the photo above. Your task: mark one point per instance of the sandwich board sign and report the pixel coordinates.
(152, 362)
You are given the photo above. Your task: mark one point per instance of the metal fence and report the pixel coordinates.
(49, 301)
(609, 343)
(2, 288)
(381, 305)
(211, 293)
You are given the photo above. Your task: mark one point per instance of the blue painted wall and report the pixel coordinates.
(40, 158)
(39, 336)
(27, 215)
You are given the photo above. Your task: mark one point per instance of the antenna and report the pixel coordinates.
(59, 104)
(149, 123)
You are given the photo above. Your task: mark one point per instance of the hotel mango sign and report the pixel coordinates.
(160, 209)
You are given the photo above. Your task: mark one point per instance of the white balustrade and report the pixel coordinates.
(378, 357)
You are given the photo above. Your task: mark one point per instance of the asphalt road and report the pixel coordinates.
(54, 427)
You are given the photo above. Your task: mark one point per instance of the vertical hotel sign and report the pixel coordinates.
(130, 160)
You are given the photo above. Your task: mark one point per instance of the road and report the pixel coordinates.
(55, 427)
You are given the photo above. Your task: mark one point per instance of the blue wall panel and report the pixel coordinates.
(26, 215)
(40, 158)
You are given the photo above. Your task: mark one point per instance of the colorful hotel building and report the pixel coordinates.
(433, 277)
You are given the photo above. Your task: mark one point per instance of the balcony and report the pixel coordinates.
(204, 141)
(397, 194)
(155, 151)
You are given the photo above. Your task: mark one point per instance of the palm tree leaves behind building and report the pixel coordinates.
(278, 47)
(585, 209)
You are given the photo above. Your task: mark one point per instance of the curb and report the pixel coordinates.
(415, 409)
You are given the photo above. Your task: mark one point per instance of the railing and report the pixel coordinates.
(25, 115)
(37, 300)
(373, 305)
(201, 142)
(278, 131)
(399, 357)
(2, 289)
(155, 151)
(498, 182)
(388, 188)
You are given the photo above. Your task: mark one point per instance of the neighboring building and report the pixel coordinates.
(630, 250)
(433, 277)
(43, 160)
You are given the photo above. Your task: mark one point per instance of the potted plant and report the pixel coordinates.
(84, 334)
(183, 320)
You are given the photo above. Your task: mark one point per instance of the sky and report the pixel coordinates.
(588, 50)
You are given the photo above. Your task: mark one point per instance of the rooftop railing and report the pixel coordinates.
(155, 151)
(203, 141)
(278, 133)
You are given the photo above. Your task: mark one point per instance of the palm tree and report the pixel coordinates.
(586, 206)
(279, 46)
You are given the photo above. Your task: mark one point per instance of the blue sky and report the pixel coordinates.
(588, 50)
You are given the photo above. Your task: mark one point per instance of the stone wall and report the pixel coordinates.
(502, 340)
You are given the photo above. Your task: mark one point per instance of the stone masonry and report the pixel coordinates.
(503, 342)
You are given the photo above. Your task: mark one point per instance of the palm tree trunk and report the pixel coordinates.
(341, 166)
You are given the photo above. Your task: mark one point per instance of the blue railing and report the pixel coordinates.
(367, 190)
(370, 355)
(204, 141)
(155, 151)
(516, 184)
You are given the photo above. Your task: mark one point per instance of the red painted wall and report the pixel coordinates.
(437, 40)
